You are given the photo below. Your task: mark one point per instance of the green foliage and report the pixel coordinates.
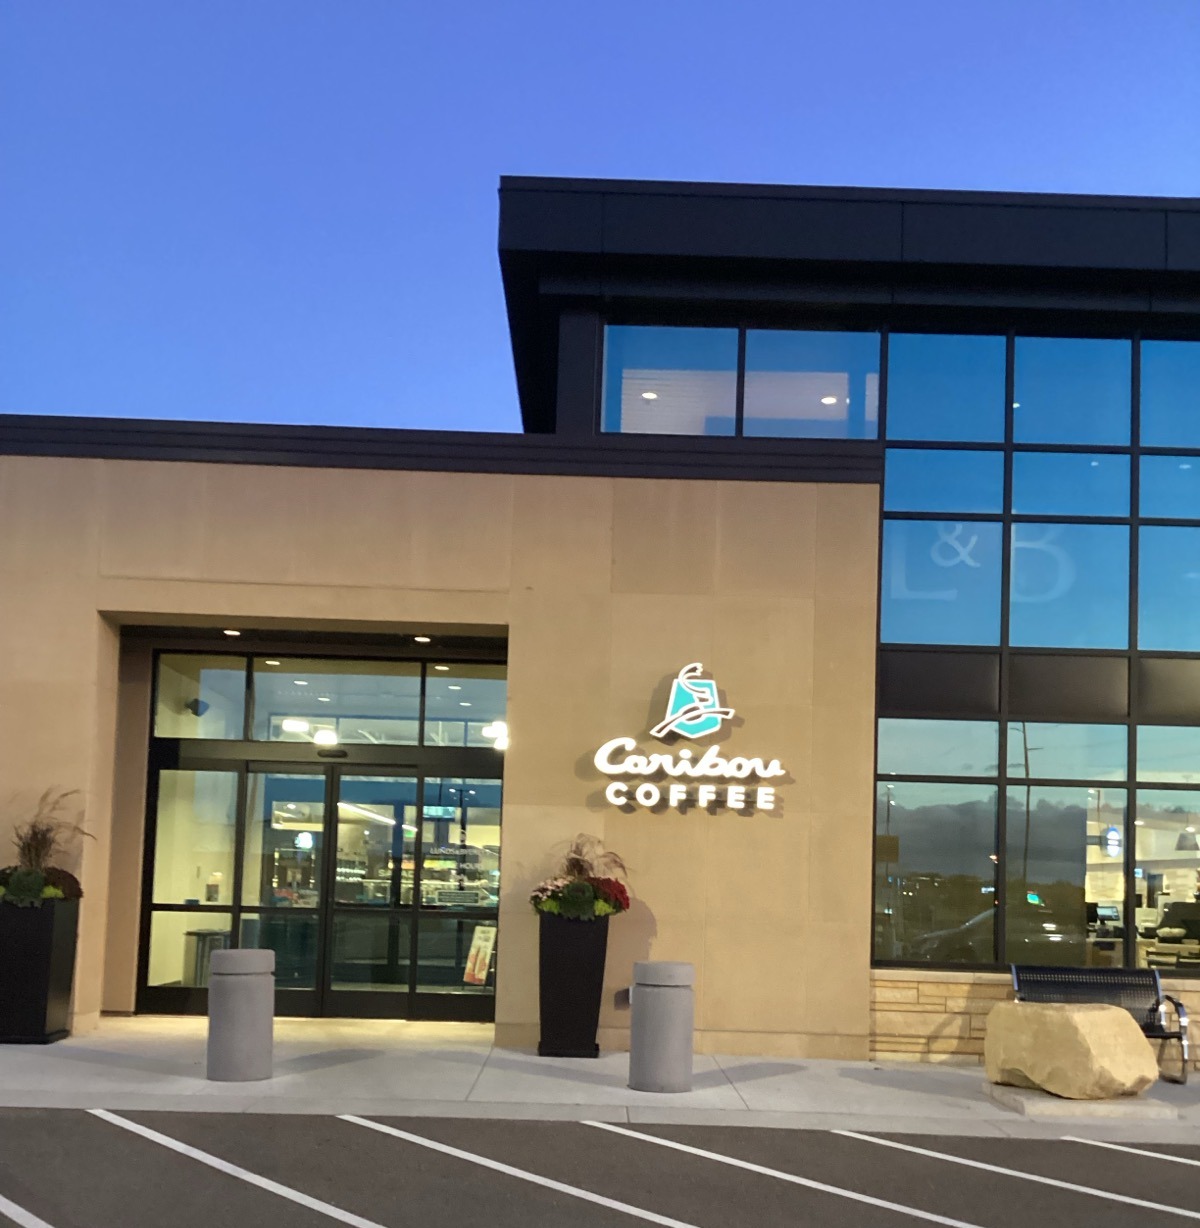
(63, 883)
(578, 900)
(25, 889)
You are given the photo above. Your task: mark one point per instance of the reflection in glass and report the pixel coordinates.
(1066, 877)
(376, 840)
(940, 480)
(465, 705)
(1070, 586)
(1170, 407)
(1170, 753)
(935, 872)
(371, 951)
(181, 946)
(822, 385)
(1072, 390)
(937, 748)
(1169, 587)
(456, 955)
(285, 823)
(332, 701)
(1070, 484)
(460, 844)
(293, 938)
(1170, 487)
(941, 582)
(199, 696)
(194, 837)
(1067, 752)
(1167, 874)
(670, 381)
(946, 388)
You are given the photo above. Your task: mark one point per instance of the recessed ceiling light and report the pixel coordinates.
(421, 639)
(1016, 405)
(231, 631)
(453, 687)
(324, 699)
(325, 737)
(464, 703)
(829, 400)
(649, 396)
(294, 724)
(1185, 466)
(1139, 822)
(300, 681)
(272, 663)
(441, 667)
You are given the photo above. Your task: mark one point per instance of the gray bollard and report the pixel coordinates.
(660, 1042)
(241, 1015)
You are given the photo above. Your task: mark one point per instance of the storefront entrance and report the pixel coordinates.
(369, 866)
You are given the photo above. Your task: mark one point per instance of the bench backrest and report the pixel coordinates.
(1136, 989)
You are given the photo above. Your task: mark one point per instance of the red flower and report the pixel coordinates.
(613, 890)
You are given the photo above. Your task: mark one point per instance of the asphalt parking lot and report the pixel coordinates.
(76, 1169)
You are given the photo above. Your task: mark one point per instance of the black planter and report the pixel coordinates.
(37, 964)
(571, 981)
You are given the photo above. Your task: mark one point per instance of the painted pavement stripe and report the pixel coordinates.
(1016, 1172)
(232, 1170)
(1133, 1151)
(18, 1215)
(495, 1165)
(837, 1190)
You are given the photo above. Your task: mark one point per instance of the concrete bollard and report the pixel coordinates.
(660, 1042)
(241, 1015)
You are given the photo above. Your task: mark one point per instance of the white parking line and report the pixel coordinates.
(520, 1173)
(1016, 1172)
(19, 1216)
(242, 1174)
(807, 1182)
(1133, 1151)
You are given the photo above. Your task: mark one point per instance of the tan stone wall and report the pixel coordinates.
(605, 588)
(942, 1016)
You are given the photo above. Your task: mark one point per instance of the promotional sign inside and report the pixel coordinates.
(694, 710)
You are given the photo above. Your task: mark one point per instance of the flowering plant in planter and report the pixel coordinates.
(34, 879)
(585, 887)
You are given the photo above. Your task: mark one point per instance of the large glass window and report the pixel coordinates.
(1070, 484)
(199, 696)
(460, 844)
(1070, 586)
(182, 944)
(1170, 409)
(1167, 878)
(1067, 752)
(335, 701)
(937, 748)
(1170, 487)
(943, 480)
(1066, 875)
(194, 837)
(670, 381)
(811, 384)
(1169, 753)
(945, 388)
(1072, 390)
(941, 582)
(1169, 588)
(935, 872)
(465, 705)
(284, 840)
(376, 840)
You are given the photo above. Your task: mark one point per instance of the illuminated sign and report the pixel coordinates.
(685, 778)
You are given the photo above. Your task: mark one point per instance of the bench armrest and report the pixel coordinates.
(1180, 1012)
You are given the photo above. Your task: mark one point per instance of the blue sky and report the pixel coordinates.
(285, 210)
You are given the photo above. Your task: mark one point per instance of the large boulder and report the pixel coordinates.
(1083, 1051)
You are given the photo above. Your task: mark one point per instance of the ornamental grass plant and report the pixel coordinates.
(44, 836)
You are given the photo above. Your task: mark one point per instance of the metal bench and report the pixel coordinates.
(1136, 990)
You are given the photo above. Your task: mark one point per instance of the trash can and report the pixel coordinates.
(660, 1048)
(241, 1015)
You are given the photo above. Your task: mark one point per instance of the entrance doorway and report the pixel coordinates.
(370, 867)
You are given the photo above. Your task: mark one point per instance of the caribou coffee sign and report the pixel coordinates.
(686, 778)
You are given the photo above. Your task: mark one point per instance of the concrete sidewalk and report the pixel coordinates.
(367, 1067)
